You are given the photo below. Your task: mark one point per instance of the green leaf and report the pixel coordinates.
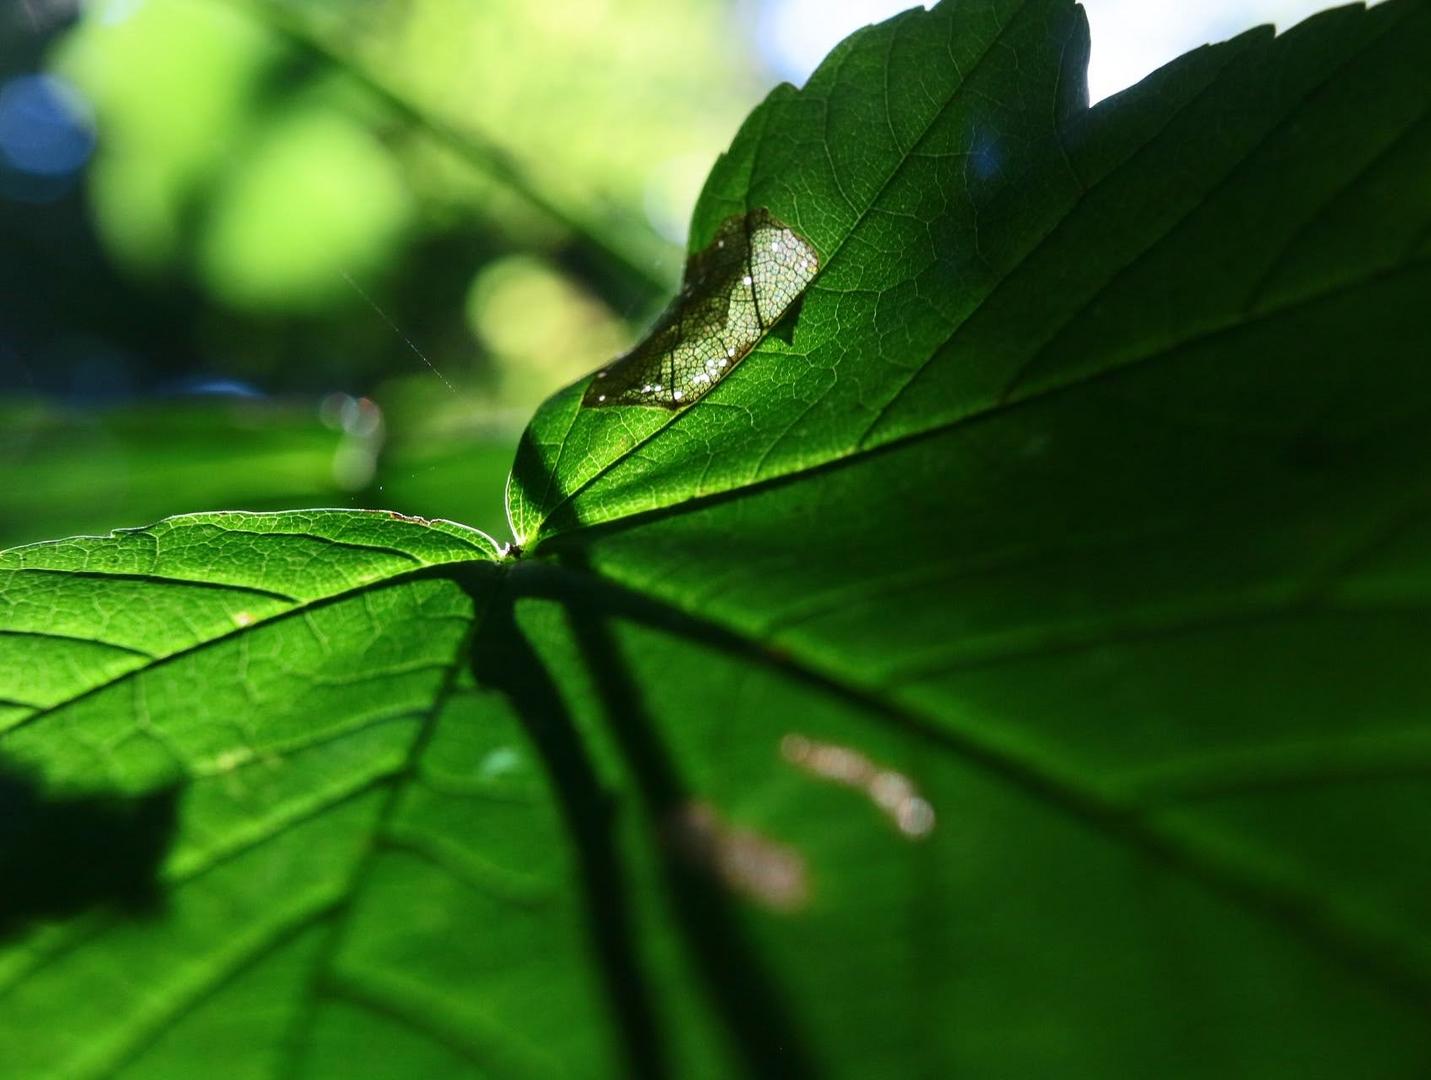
(889, 180)
(1012, 668)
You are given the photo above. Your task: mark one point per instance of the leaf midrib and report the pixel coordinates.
(983, 415)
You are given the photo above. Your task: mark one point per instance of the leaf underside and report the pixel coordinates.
(1016, 670)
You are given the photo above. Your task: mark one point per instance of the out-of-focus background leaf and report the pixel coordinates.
(229, 227)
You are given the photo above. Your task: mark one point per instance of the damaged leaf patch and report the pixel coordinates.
(734, 291)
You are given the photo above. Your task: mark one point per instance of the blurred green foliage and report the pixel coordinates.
(87, 471)
(296, 199)
(269, 153)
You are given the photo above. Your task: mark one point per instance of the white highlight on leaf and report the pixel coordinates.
(772, 874)
(894, 793)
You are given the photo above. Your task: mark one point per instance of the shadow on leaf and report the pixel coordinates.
(764, 1034)
(62, 856)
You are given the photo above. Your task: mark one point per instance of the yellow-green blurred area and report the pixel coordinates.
(253, 146)
(258, 254)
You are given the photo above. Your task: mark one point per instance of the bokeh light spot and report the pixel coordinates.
(318, 198)
(46, 128)
(540, 328)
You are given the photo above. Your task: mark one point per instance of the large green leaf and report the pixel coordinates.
(1013, 667)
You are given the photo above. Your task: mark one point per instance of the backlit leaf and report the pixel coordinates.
(1014, 667)
(735, 290)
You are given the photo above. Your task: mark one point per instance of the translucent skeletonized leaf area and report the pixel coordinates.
(734, 291)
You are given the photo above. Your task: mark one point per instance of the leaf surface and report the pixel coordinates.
(885, 162)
